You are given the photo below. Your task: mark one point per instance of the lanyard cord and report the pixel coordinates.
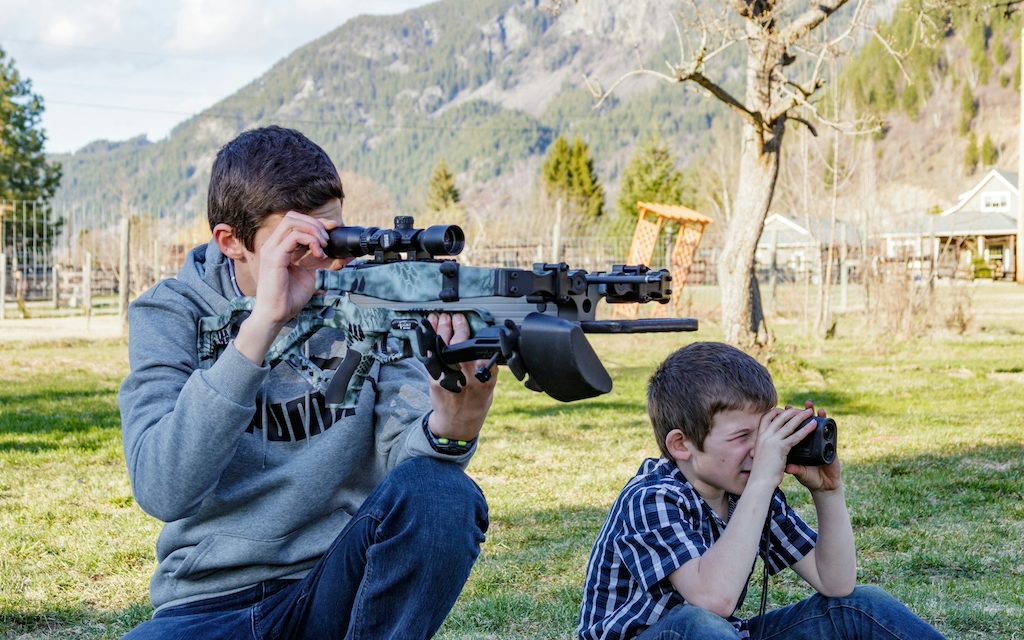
(764, 579)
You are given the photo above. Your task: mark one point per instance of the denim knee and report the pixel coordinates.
(438, 495)
(687, 621)
(867, 598)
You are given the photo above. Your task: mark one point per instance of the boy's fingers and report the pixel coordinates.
(794, 422)
(460, 328)
(444, 327)
(313, 225)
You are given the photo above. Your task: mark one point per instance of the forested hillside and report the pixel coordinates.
(484, 84)
(487, 85)
(949, 103)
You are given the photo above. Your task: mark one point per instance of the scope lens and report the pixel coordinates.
(442, 240)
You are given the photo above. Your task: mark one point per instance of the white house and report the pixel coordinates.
(797, 247)
(981, 225)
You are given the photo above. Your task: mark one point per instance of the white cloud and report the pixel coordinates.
(116, 68)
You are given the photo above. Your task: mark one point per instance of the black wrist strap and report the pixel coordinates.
(446, 446)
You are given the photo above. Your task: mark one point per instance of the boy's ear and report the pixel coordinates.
(229, 243)
(678, 445)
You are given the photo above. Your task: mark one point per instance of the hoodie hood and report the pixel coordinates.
(207, 272)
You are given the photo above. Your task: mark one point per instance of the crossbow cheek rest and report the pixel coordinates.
(560, 360)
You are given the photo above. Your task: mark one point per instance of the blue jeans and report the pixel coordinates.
(393, 572)
(866, 614)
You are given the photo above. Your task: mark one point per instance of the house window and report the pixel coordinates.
(995, 201)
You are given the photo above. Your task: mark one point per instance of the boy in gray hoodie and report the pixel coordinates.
(283, 518)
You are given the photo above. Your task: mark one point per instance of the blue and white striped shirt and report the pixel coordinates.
(657, 524)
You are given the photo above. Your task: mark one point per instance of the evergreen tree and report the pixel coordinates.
(587, 190)
(989, 153)
(556, 167)
(442, 194)
(650, 176)
(24, 172)
(568, 173)
(971, 153)
(968, 109)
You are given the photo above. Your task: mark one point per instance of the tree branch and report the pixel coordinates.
(751, 117)
(810, 127)
(818, 13)
(841, 127)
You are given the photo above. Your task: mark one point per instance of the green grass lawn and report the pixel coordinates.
(932, 443)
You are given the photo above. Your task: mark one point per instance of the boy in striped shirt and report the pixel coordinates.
(674, 557)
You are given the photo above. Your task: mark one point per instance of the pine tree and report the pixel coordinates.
(989, 153)
(968, 109)
(568, 173)
(588, 191)
(971, 154)
(442, 194)
(650, 176)
(556, 167)
(24, 172)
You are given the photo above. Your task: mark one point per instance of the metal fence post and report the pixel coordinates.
(55, 273)
(123, 276)
(3, 285)
(844, 269)
(87, 284)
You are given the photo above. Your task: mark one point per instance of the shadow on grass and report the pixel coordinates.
(80, 622)
(834, 402)
(56, 413)
(578, 407)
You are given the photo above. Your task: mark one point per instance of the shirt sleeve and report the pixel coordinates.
(658, 536)
(789, 537)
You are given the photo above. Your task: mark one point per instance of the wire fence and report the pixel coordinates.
(63, 258)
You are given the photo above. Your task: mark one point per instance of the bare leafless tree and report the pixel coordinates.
(777, 34)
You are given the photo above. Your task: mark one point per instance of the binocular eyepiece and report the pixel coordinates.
(437, 240)
(818, 448)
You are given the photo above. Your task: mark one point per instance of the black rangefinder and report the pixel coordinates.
(818, 448)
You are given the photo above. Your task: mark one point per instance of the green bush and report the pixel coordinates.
(982, 269)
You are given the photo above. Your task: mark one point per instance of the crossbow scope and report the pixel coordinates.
(355, 242)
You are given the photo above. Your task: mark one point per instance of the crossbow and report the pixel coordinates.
(532, 321)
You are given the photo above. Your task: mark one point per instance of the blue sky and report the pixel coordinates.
(114, 69)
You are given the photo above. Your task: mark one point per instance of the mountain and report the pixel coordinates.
(485, 84)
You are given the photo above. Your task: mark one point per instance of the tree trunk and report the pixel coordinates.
(759, 169)
(742, 315)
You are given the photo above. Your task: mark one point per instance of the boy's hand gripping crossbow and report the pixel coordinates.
(532, 321)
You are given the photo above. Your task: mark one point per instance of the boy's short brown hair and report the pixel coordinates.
(265, 171)
(700, 380)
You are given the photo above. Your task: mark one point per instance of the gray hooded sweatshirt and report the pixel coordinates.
(252, 475)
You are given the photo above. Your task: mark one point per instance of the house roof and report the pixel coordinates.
(1007, 177)
(964, 223)
(678, 213)
(1010, 176)
(789, 232)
